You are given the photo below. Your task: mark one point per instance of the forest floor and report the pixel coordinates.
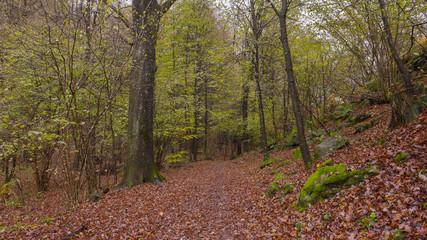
(226, 199)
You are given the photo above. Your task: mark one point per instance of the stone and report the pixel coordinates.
(329, 180)
(330, 145)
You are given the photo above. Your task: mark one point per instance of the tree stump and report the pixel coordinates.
(406, 107)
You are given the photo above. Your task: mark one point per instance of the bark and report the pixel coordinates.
(257, 31)
(292, 84)
(405, 74)
(286, 124)
(140, 165)
(206, 87)
(245, 104)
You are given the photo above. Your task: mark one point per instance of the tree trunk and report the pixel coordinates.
(206, 118)
(245, 100)
(140, 165)
(405, 107)
(292, 84)
(399, 63)
(257, 31)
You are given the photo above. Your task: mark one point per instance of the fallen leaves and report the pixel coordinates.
(225, 200)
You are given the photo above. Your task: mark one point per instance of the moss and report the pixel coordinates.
(267, 163)
(382, 141)
(326, 163)
(398, 235)
(279, 176)
(425, 206)
(287, 189)
(401, 158)
(274, 172)
(292, 139)
(364, 127)
(297, 153)
(359, 118)
(286, 162)
(327, 181)
(274, 187)
(316, 155)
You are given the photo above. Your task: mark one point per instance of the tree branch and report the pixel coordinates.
(122, 17)
(166, 6)
(274, 8)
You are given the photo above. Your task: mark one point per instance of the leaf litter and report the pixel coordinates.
(225, 199)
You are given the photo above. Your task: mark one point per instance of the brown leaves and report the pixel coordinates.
(224, 200)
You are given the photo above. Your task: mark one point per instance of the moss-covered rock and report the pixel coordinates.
(363, 127)
(292, 139)
(329, 145)
(360, 118)
(327, 181)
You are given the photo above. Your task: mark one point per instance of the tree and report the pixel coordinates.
(399, 63)
(291, 82)
(140, 165)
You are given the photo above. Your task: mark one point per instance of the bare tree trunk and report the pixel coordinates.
(257, 31)
(245, 100)
(206, 118)
(140, 165)
(399, 63)
(292, 85)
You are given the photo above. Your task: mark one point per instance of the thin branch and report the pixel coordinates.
(274, 8)
(121, 16)
(166, 6)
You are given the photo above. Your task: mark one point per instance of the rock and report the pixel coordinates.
(329, 145)
(361, 117)
(364, 127)
(329, 180)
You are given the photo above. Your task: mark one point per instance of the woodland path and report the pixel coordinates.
(202, 200)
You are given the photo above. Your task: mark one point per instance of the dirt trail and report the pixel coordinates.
(203, 200)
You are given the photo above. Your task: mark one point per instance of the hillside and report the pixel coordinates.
(226, 199)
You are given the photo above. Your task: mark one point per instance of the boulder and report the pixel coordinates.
(329, 145)
(329, 180)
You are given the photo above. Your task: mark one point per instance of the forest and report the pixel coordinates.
(213, 119)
